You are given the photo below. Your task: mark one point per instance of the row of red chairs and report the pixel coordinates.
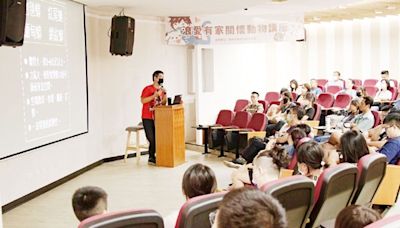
(358, 82)
(336, 188)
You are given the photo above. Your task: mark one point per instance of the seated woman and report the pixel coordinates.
(293, 85)
(310, 160)
(305, 88)
(197, 180)
(276, 112)
(308, 104)
(341, 120)
(384, 94)
(352, 147)
(348, 89)
(294, 117)
(265, 167)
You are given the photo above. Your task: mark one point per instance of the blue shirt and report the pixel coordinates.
(391, 150)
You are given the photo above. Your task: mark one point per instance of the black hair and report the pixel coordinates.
(386, 108)
(368, 101)
(283, 90)
(353, 146)
(254, 92)
(385, 72)
(311, 154)
(305, 128)
(392, 118)
(299, 111)
(156, 73)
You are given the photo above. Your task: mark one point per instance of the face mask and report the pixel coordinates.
(358, 94)
(160, 81)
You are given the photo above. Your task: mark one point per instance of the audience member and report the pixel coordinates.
(304, 89)
(249, 208)
(265, 167)
(89, 201)
(198, 180)
(353, 146)
(391, 149)
(342, 118)
(384, 93)
(385, 76)
(337, 81)
(310, 160)
(361, 92)
(348, 89)
(254, 105)
(293, 85)
(356, 216)
(365, 120)
(314, 87)
(294, 117)
(308, 104)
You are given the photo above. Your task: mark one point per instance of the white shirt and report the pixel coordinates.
(383, 95)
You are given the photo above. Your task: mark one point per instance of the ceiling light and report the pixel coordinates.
(391, 7)
(316, 18)
(378, 12)
(342, 7)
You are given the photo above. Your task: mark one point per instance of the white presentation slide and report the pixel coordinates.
(43, 83)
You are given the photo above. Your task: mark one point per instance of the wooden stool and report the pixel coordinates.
(136, 147)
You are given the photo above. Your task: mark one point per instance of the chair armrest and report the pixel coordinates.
(258, 134)
(221, 127)
(285, 173)
(233, 129)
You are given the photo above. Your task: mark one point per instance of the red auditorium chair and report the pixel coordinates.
(370, 82)
(342, 101)
(274, 102)
(325, 100)
(272, 96)
(195, 212)
(257, 123)
(240, 105)
(371, 91)
(377, 119)
(241, 120)
(387, 222)
(371, 170)
(225, 118)
(333, 192)
(357, 82)
(264, 104)
(286, 190)
(317, 109)
(128, 219)
(322, 82)
(333, 89)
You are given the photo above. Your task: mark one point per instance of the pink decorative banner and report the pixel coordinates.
(225, 30)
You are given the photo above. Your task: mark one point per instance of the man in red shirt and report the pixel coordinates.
(152, 95)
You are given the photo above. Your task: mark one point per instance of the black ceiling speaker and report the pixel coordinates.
(122, 35)
(12, 22)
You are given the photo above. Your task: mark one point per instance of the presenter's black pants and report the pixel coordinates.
(150, 131)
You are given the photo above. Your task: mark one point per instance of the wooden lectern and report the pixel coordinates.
(170, 135)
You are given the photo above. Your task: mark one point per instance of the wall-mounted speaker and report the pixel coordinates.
(12, 22)
(122, 35)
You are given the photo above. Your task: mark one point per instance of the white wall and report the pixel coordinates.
(115, 84)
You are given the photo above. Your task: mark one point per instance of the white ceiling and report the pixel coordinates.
(207, 7)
